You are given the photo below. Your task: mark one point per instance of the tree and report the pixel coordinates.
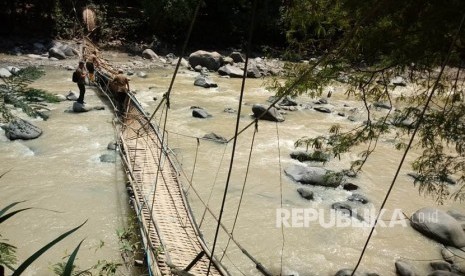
(367, 44)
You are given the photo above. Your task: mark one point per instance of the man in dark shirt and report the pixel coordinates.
(81, 82)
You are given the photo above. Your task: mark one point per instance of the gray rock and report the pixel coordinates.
(457, 215)
(210, 60)
(184, 62)
(13, 70)
(358, 198)
(404, 269)
(112, 146)
(322, 101)
(230, 70)
(56, 53)
(443, 273)
(67, 50)
(228, 60)
(346, 272)
(305, 193)
(456, 257)
(322, 109)
(200, 113)
(149, 54)
(351, 118)
(441, 265)
(237, 57)
(347, 209)
(438, 225)
(61, 97)
(79, 108)
(349, 187)
(230, 110)
(303, 156)
(108, 158)
(204, 81)
(215, 137)
(142, 74)
(382, 105)
(287, 101)
(252, 71)
(4, 73)
(71, 96)
(398, 81)
(270, 115)
(313, 176)
(21, 129)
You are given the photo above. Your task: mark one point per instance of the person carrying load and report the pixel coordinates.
(119, 86)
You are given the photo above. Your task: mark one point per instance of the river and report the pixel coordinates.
(61, 171)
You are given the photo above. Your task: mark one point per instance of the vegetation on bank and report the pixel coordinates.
(369, 44)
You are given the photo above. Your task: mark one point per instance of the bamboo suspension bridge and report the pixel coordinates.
(173, 241)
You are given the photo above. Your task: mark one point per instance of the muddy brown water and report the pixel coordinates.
(62, 171)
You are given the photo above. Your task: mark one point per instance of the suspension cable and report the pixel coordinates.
(244, 76)
(281, 192)
(162, 140)
(420, 120)
(193, 168)
(212, 188)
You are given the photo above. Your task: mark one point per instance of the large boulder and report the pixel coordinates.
(270, 115)
(149, 54)
(230, 70)
(253, 71)
(439, 226)
(210, 60)
(314, 176)
(21, 129)
(68, 50)
(56, 53)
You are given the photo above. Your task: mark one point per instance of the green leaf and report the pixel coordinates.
(9, 206)
(9, 215)
(70, 263)
(41, 251)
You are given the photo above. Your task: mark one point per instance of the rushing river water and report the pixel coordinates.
(61, 171)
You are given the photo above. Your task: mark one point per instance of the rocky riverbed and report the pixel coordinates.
(311, 180)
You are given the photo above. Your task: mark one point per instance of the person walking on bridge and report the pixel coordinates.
(81, 81)
(120, 87)
(91, 63)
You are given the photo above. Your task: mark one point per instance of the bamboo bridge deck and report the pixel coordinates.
(172, 238)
